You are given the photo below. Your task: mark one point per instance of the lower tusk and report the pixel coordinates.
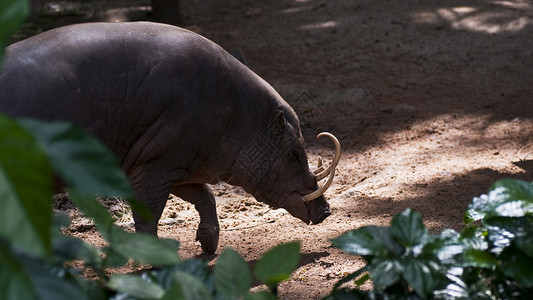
(323, 172)
(329, 171)
(320, 167)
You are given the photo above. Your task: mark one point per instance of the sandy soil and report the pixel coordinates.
(431, 100)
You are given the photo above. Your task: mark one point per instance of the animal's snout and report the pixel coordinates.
(322, 217)
(319, 210)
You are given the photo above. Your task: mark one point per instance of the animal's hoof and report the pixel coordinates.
(208, 237)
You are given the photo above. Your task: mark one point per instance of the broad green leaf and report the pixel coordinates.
(385, 272)
(232, 274)
(478, 258)
(278, 263)
(113, 259)
(14, 283)
(12, 13)
(135, 286)
(350, 294)
(69, 248)
(263, 295)
(52, 281)
(187, 287)
(525, 244)
(510, 227)
(93, 209)
(456, 287)
(368, 241)
(92, 288)
(144, 248)
(195, 267)
(408, 229)
(423, 276)
(508, 198)
(25, 189)
(175, 292)
(445, 247)
(518, 266)
(85, 165)
(516, 189)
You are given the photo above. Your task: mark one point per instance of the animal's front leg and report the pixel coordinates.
(201, 196)
(154, 197)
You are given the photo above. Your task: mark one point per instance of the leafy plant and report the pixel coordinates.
(492, 259)
(12, 13)
(33, 251)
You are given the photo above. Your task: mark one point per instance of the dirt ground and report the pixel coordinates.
(431, 101)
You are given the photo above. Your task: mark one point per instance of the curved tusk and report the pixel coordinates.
(321, 172)
(320, 169)
(330, 170)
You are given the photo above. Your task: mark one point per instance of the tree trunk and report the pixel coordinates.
(166, 11)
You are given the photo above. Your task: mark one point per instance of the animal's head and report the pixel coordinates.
(273, 167)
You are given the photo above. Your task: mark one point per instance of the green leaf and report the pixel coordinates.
(508, 198)
(113, 259)
(445, 247)
(144, 248)
(368, 241)
(25, 189)
(232, 274)
(408, 229)
(12, 13)
(52, 281)
(14, 283)
(385, 272)
(278, 263)
(70, 248)
(263, 295)
(195, 267)
(187, 287)
(516, 189)
(525, 244)
(478, 258)
(135, 286)
(350, 294)
(423, 276)
(81, 161)
(518, 266)
(93, 209)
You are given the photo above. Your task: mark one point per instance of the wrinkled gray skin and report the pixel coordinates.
(177, 110)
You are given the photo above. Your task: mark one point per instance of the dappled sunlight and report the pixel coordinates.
(501, 18)
(437, 148)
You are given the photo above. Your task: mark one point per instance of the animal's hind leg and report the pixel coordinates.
(201, 196)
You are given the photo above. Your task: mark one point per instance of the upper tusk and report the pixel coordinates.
(330, 170)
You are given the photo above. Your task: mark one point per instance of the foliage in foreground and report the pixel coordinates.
(34, 251)
(492, 258)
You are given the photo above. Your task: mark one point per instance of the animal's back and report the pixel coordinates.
(111, 64)
(124, 83)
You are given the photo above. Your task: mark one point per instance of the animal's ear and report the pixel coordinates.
(278, 123)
